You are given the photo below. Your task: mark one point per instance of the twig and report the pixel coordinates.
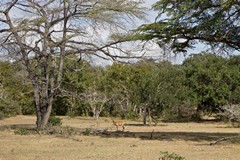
(151, 137)
(217, 141)
(225, 139)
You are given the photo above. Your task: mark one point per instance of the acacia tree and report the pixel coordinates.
(183, 23)
(41, 33)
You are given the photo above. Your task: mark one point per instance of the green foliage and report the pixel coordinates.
(182, 24)
(15, 89)
(170, 156)
(87, 132)
(131, 115)
(173, 92)
(9, 107)
(27, 105)
(210, 78)
(204, 82)
(55, 121)
(60, 105)
(22, 131)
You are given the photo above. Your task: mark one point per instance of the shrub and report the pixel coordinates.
(87, 132)
(22, 131)
(131, 115)
(55, 121)
(171, 156)
(9, 107)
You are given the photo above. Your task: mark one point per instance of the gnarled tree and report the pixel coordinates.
(41, 33)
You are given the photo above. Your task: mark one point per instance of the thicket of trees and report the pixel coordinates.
(43, 33)
(202, 84)
(47, 37)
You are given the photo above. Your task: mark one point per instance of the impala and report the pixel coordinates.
(119, 123)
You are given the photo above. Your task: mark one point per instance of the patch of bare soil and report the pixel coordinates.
(101, 141)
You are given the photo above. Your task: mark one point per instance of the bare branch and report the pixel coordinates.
(11, 4)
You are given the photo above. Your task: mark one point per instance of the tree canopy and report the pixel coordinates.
(183, 23)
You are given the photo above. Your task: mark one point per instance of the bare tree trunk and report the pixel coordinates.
(42, 112)
(37, 105)
(134, 108)
(47, 114)
(140, 111)
(97, 114)
(149, 116)
(122, 110)
(94, 111)
(145, 115)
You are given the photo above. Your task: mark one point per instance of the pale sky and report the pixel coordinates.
(153, 49)
(152, 14)
(180, 57)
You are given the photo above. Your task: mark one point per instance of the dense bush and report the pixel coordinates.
(131, 115)
(55, 121)
(202, 84)
(9, 107)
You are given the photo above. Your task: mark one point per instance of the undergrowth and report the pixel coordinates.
(170, 156)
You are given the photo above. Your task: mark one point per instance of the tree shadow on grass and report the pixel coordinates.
(17, 126)
(141, 125)
(161, 136)
(134, 124)
(170, 136)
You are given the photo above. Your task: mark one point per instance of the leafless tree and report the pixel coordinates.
(41, 33)
(232, 112)
(97, 102)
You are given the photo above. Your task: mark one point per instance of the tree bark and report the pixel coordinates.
(149, 116)
(145, 116)
(43, 112)
(37, 105)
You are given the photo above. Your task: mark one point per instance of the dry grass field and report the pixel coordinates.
(137, 142)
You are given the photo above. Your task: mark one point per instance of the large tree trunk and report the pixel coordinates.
(44, 92)
(37, 106)
(46, 115)
(43, 112)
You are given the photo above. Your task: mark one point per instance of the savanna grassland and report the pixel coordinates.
(190, 140)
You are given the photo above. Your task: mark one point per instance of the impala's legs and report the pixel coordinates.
(117, 124)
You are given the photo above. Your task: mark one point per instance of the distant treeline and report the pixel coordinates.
(202, 84)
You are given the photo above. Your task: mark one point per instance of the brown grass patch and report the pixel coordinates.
(190, 140)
